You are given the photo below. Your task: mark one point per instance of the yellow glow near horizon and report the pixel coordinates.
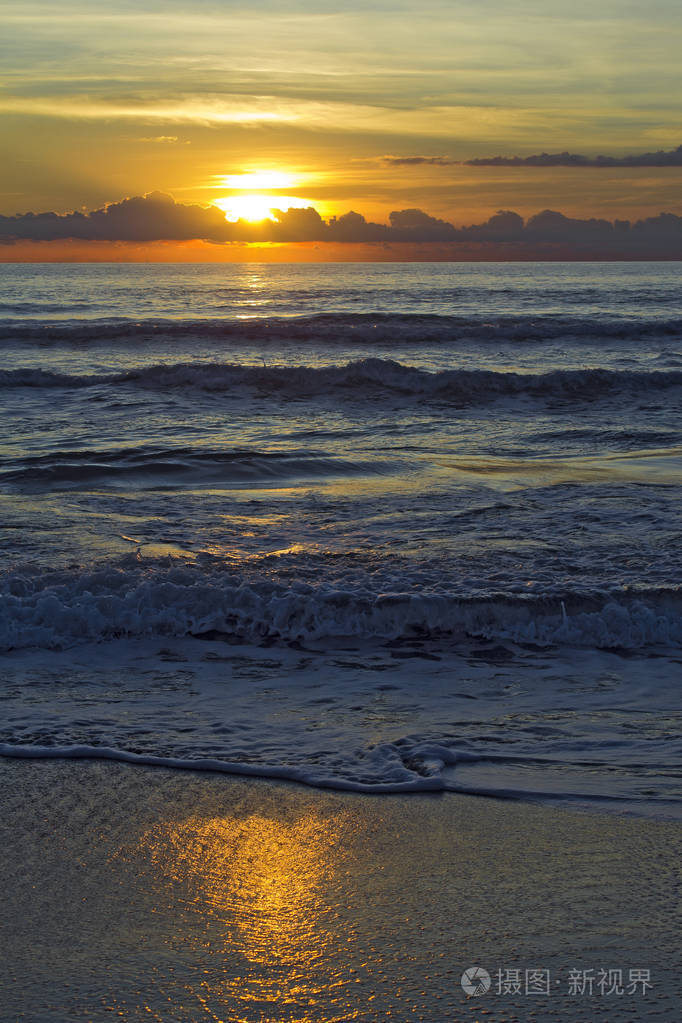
(258, 192)
(256, 206)
(259, 180)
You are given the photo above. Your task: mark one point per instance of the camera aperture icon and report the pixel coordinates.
(475, 981)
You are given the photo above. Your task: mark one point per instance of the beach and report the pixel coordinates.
(340, 631)
(143, 893)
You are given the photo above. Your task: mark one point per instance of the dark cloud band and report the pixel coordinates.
(671, 158)
(419, 161)
(157, 217)
(662, 158)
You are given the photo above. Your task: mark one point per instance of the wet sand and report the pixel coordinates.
(150, 894)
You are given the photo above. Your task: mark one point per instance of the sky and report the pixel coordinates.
(373, 107)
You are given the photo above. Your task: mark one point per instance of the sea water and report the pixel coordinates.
(369, 526)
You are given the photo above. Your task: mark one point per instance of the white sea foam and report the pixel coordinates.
(379, 718)
(59, 610)
(391, 774)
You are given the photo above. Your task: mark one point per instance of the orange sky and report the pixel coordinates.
(372, 107)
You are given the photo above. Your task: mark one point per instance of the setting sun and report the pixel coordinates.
(256, 206)
(256, 193)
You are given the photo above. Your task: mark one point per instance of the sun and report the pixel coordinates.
(255, 206)
(256, 193)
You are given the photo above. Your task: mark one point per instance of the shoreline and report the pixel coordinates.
(497, 723)
(618, 807)
(173, 895)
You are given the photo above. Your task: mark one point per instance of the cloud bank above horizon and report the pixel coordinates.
(158, 217)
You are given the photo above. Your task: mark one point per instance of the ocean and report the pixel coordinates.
(377, 527)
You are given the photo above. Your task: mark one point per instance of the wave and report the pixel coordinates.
(162, 465)
(343, 328)
(38, 309)
(411, 764)
(364, 379)
(135, 599)
(614, 438)
(394, 769)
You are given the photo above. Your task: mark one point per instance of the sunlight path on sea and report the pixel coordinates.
(176, 896)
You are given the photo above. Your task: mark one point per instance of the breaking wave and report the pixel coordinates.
(135, 599)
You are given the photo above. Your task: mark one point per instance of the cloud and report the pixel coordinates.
(164, 139)
(417, 226)
(352, 227)
(157, 217)
(549, 234)
(671, 158)
(416, 161)
(141, 219)
(662, 158)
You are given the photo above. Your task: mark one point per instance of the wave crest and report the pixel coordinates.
(344, 328)
(362, 379)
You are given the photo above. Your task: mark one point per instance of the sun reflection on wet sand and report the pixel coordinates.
(178, 897)
(260, 881)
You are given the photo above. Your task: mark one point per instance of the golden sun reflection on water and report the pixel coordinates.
(257, 883)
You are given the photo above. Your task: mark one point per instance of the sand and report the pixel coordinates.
(149, 894)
